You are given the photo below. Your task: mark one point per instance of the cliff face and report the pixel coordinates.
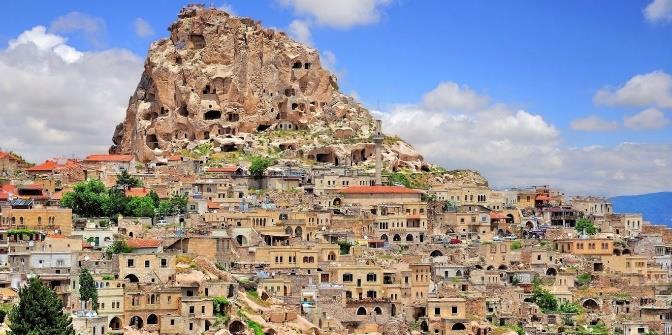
(230, 82)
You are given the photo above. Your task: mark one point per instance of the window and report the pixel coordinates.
(347, 277)
(164, 263)
(172, 322)
(147, 263)
(130, 263)
(453, 309)
(191, 309)
(191, 326)
(371, 277)
(202, 309)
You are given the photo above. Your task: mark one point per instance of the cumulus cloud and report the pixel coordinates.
(449, 96)
(649, 118)
(142, 28)
(62, 101)
(300, 31)
(659, 10)
(341, 14)
(593, 123)
(513, 147)
(92, 27)
(650, 89)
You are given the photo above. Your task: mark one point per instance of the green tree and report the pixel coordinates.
(589, 227)
(39, 312)
(140, 207)
(88, 198)
(126, 181)
(116, 203)
(544, 299)
(259, 164)
(179, 202)
(155, 198)
(87, 288)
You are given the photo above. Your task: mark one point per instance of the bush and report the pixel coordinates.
(515, 245)
(587, 226)
(584, 279)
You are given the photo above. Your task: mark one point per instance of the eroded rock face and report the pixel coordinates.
(229, 81)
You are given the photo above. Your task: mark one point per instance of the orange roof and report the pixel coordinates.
(48, 165)
(497, 215)
(51, 165)
(108, 158)
(213, 205)
(137, 192)
(174, 158)
(57, 195)
(142, 243)
(379, 190)
(542, 197)
(225, 169)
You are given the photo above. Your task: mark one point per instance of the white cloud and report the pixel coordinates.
(659, 10)
(142, 28)
(62, 101)
(650, 89)
(300, 31)
(451, 96)
(339, 14)
(45, 43)
(92, 27)
(649, 118)
(593, 123)
(517, 148)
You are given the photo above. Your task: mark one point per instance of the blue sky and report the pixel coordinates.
(548, 58)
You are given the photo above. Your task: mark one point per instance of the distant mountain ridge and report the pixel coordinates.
(655, 207)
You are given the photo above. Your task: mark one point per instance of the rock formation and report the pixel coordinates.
(230, 82)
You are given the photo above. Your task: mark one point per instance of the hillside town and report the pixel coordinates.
(244, 194)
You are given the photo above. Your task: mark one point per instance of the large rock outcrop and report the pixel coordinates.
(241, 87)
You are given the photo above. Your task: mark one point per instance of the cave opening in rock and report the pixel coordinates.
(262, 127)
(212, 115)
(233, 117)
(197, 41)
(152, 141)
(183, 111)
(229, 147)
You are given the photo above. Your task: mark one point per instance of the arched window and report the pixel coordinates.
(331, 256)
(39, 220)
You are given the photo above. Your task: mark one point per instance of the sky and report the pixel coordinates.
(576, 94)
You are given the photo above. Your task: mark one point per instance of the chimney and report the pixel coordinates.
(378, 138)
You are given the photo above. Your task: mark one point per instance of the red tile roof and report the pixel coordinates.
(143, 243)
(542, 197)
(51, 165)
(497, 215)
(379, 190)
(224, 169)
(137, 192)
(174, 158)
(108, 158)
(48, 165)
(213, 205)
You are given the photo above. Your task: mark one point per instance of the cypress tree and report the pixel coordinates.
(40, 311)
(87, 288)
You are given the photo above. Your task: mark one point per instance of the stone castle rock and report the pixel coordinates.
(230, 82)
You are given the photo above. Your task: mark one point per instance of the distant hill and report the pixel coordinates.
(655, 207)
